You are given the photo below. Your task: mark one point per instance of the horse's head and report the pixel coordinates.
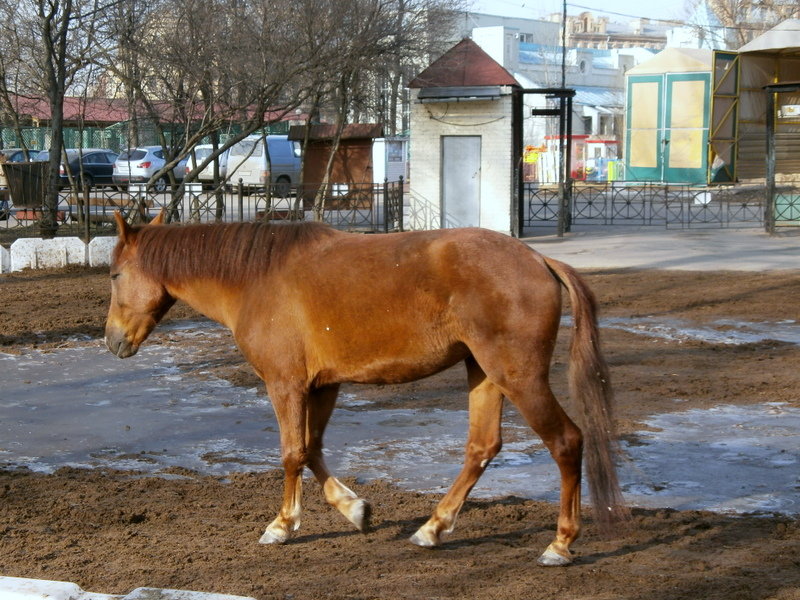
(138, 302)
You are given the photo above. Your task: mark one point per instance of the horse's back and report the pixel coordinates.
(425, 270)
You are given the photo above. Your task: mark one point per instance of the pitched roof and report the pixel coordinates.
(327, 132)
(465, 65)
(676, 60)
(784, 38)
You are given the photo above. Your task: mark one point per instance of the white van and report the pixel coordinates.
(247, 161)
(201, 152)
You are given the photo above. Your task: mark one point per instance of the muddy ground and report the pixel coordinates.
(112, 532)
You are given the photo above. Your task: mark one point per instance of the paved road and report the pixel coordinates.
(687, 249)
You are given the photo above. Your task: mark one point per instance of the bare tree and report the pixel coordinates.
(375, 46)
(14, 71)
(67, 30)
(192, 69)
(195, 68)
(747, 19)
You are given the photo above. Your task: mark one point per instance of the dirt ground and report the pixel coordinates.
(111, 531)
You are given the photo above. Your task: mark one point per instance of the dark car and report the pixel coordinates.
(18, 154)
(89, 166)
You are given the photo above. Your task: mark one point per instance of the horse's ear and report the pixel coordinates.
(123, 228)
(159, 218)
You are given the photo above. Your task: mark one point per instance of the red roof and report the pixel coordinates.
(464, 65)
(105, 110)
(327, 132)
(115, 110)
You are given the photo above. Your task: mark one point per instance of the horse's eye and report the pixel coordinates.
(114, 276)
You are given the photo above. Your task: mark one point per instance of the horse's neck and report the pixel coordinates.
(215, 299)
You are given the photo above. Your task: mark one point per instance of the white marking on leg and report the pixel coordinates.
(426, 536)
(551, 558)
(275, 534)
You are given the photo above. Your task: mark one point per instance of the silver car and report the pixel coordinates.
(138, 165)
(201, 152)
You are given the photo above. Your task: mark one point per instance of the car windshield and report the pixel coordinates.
(134, 154)
(247, 148)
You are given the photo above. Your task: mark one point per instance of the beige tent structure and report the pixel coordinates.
(699, 116)
(738, 136)
(667, 117)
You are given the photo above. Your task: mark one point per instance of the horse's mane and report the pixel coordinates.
(231, 252)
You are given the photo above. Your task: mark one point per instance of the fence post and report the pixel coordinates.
(240, 195)
(386, 205)
(86, 212)
(401, 198)
(769, 204)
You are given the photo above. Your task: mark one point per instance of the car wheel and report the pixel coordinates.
(87, 181)
(283, 187)
(160, 185)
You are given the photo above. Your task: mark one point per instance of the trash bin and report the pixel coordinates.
(27, 182)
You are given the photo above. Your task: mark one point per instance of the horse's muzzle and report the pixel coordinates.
(119, 346)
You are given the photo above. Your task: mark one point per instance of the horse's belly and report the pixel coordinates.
(384, 367)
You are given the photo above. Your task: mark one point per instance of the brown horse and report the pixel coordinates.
(311, 307)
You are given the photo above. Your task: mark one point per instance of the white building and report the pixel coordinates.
(462, 163)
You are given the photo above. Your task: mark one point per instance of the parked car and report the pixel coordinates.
(247, 161)
(202, 152)
(18, 154)
(5, 207)
(88, 166)
(138, 165)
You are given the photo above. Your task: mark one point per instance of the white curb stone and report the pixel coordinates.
(16, 588)
(100, 249)
(43, 254)
(23, 252)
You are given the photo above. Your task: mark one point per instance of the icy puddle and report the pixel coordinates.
(81, 406)
(722, 331)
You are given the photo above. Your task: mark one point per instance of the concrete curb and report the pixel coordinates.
(17, 588)
(35, 253)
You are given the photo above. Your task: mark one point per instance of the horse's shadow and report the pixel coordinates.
(404, 528)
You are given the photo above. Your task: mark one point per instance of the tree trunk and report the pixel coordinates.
(322, 192)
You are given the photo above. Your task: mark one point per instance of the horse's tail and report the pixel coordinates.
(590, 388)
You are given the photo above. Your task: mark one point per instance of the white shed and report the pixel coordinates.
(461, 140)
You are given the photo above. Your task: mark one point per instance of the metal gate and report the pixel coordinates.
(723, 133)
(559, 105)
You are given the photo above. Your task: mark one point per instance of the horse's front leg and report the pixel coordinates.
(320, 406)
(290, 409)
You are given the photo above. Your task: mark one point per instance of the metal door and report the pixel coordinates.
(461, 180)
(645, 141)
(685, 136)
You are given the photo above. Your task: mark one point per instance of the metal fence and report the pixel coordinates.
(368, 208)
(786, 204)
(656, 204)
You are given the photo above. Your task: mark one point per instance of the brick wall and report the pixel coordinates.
(489, 119)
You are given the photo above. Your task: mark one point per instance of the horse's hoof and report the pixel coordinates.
(361, 515)
(274, 537)
(551, 558)
(424, 539)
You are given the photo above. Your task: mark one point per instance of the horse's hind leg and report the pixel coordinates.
(483, 444)
(320, 406)
(565, 442)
